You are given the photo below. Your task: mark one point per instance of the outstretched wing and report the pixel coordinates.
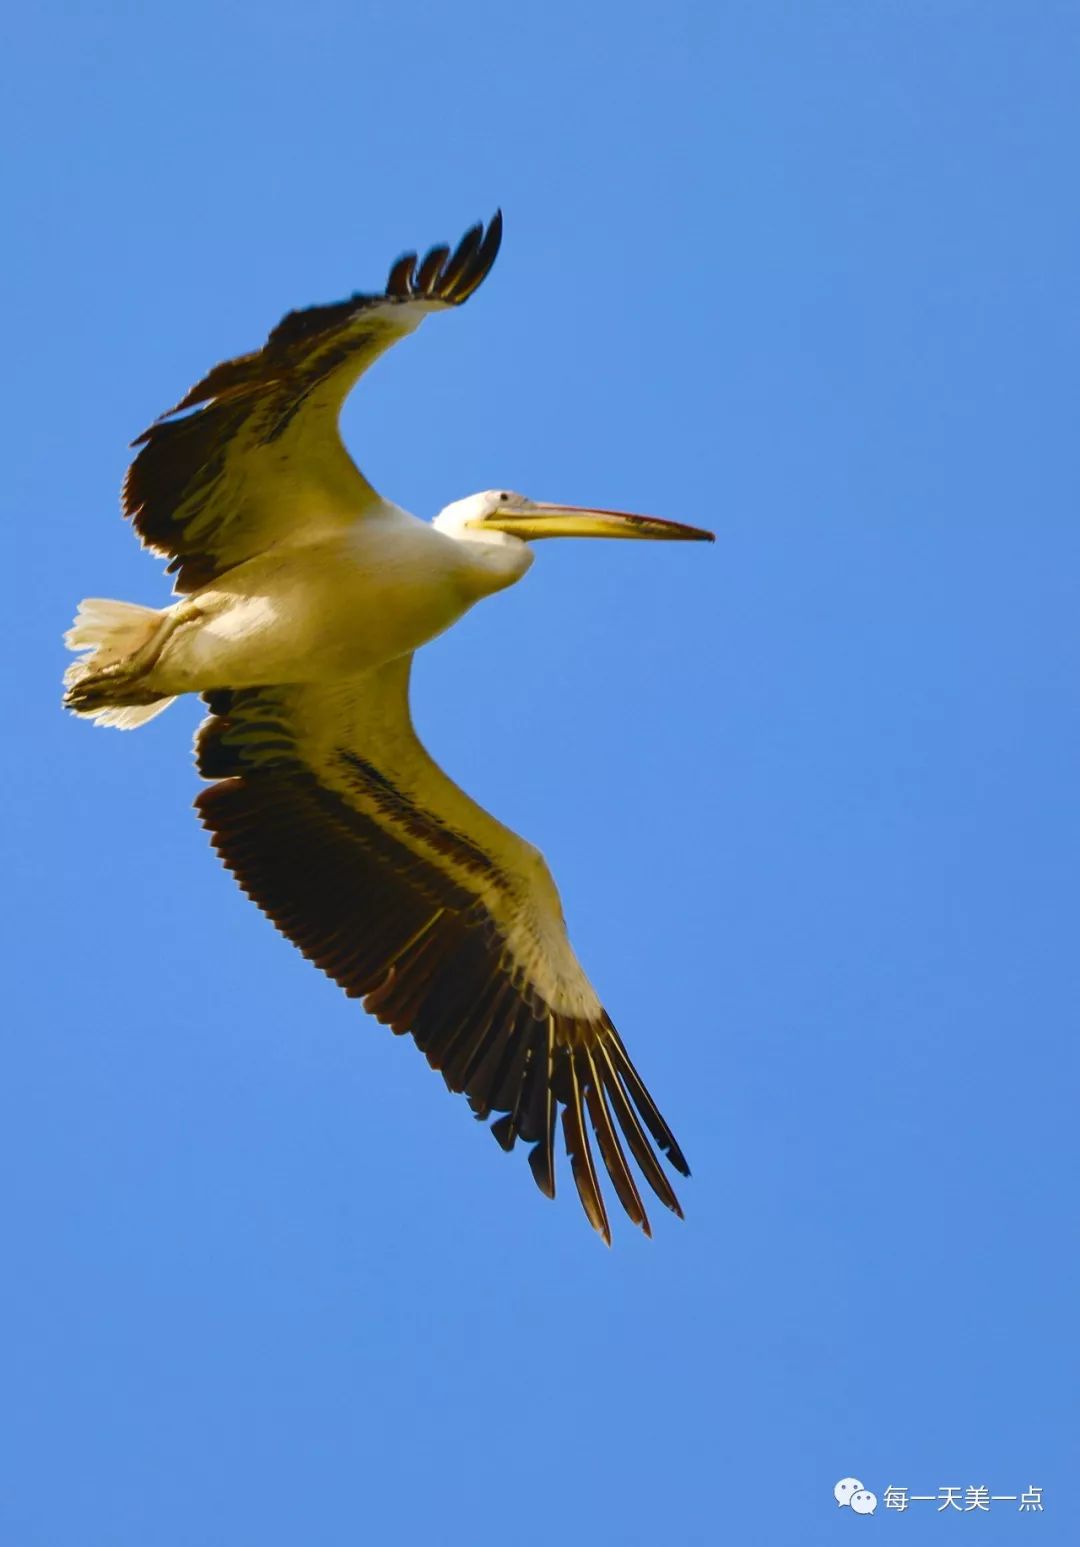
(338, 824)
(252, 453)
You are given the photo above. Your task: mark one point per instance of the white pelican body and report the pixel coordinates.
(302, 597)
(320, 610)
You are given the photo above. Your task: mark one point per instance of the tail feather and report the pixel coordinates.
(123, 717)
(96, 686)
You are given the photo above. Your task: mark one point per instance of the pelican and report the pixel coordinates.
(302, 595)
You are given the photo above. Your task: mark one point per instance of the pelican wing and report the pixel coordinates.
(338, 824)
(251, 455)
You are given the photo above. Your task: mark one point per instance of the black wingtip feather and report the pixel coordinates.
(481, 265)
(649, 1111)
(427, 275)
(610, 1148)
(445, 277)
(505, 1132)
(399, 280)
(463, 255)
(542, 1155)
(576, 1137)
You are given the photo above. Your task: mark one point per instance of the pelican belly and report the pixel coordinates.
(314, 612)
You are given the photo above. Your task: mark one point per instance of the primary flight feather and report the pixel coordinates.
(302, 597)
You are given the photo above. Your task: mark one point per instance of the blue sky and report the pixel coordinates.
(804, 274)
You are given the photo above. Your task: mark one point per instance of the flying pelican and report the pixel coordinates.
(302, 597)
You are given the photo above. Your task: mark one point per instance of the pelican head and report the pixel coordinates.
(498, 514)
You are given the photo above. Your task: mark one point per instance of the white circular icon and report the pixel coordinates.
(845, 1488)
(863, 1502)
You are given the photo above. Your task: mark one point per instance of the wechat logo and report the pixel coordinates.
(850, 1493)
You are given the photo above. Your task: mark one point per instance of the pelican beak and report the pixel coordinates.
(535, 521)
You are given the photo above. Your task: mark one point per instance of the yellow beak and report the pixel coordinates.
(578, 521)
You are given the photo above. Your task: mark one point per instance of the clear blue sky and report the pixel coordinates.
(803, 273)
